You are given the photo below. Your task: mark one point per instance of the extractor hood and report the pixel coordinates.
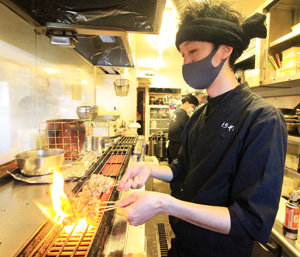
(98, 29)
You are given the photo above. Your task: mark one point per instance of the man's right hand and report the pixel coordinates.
(135, 177)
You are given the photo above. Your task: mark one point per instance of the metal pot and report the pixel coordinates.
(40, 162)
(98, 143)
(87, 112)
(161, 147)
(152, 146)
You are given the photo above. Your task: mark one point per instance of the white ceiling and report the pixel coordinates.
(172, 60)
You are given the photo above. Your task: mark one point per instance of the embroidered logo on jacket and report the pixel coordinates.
(174, 116)
(226, 125)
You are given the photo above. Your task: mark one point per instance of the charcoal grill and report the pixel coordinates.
(128, 140)
(53, 240)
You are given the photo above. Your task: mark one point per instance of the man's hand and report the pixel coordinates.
(140, 206)
(135, 177)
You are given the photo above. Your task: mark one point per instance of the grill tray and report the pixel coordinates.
(50, 238)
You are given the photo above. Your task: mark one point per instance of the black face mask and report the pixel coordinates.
(201, 74)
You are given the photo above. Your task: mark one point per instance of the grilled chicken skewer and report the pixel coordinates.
(87, 204)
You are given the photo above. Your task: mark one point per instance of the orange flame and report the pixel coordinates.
(61, 207)
(80, 226)
(61, 204)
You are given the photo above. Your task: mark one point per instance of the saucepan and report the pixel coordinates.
(40, 162)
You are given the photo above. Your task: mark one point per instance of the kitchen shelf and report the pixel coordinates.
(293, 140)
(248, 62)
(158, 119)
(286, 41)
(280, 38)
(162, 94)
(159, 106)
(291, 173)
(246, 56)
(284, 81)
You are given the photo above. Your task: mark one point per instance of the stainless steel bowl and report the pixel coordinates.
(87, 112)
(40, 162)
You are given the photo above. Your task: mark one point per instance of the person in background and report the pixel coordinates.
(233, 149)
(178, 121)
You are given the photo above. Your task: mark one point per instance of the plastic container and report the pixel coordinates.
(290, 53)
(133, 127)
(286, 72)
(151, 160)
(290, 63)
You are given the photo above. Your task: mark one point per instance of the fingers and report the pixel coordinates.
(123, 181)
(134, 177)
(125, 202)
(127, 185)
(137, 183)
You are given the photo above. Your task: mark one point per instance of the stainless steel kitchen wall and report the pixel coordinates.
(38, 82)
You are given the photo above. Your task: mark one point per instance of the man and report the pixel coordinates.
(233, 149)
(178, 121)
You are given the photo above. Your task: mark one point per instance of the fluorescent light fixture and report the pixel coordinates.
(168, 30)
(158, 62)
(51, 70)
(83, 81)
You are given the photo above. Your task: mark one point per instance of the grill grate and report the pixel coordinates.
(52, 240)
(163, 244)
(127, 140)
(114, 161)
(76, 243)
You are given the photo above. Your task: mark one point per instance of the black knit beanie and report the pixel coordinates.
(191, 99)
(224, 32)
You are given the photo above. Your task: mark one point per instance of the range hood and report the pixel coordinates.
(97, 30)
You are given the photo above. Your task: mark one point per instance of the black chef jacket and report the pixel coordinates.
(235, 159)
(178, 121)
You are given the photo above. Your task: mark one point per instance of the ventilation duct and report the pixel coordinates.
(98, 30)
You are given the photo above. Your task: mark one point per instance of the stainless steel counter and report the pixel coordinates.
(20, 217)
(288, 245)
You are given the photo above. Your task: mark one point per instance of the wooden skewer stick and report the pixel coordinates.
(108, 201)
(109, 209)
(113, 185)
(106, 207)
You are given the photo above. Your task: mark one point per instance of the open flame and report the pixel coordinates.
(61, 204)
(61, 207)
